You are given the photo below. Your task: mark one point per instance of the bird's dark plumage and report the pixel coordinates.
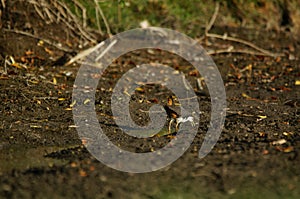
(171, 113)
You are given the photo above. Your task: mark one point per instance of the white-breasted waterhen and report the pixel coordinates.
(175, 116)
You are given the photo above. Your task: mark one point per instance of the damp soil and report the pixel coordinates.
(256, 156)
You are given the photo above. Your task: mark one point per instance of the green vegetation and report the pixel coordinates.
(189, 17)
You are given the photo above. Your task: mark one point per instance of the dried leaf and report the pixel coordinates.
(288, 149)
(50, 52)
(16, 65)
(262, 134)
(84, 141)
(288, 133)
(279, 142)
(82, 173)
(265, 152)
(73, 164)
(29, 52)
(92, 168)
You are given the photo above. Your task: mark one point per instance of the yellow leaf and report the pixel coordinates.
(297, 82)
(139, 89)
(73, 103)
(262, 116)
(40, 43)
(16, 65)
(33, 81)
(54, 81)
(35, 126)
(86, 101)
(246, 96)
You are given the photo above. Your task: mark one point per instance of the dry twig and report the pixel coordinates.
(213, 18)
(38, 11)
(58, 9)
(75, 21)
(3, 3)
(98, 9)
(83, 10)
(98, 20)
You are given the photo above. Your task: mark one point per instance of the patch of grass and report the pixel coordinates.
(247, 190)
(189, 17)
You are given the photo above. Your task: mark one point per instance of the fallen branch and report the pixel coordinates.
(241, 51)
(262, 51)
(39, 38)
(247, 43)
(81, 55)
